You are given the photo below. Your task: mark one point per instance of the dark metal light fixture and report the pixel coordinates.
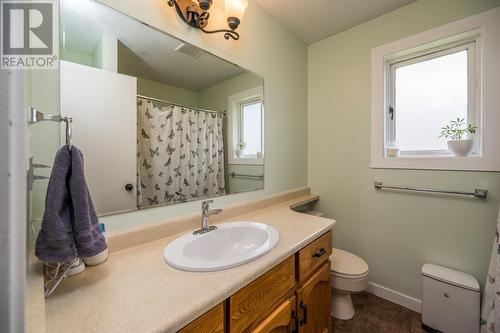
(195, 13)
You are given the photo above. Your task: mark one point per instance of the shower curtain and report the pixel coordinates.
(180, 154)
(490, 311)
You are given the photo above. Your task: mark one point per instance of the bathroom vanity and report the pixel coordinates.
(294, 294)
(285, 290)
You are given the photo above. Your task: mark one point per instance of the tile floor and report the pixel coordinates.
(376, 315)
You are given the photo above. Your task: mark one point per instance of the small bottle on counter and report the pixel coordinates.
(392, 150)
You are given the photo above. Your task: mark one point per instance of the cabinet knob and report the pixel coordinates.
(129, 187)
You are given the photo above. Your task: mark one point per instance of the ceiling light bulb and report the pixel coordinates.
(236, 8)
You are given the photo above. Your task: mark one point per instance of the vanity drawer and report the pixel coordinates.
(249, 305)
(282, 319)
(314, 255)
(211, 322)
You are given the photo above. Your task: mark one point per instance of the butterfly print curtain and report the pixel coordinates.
(490, 312)
(180, 154)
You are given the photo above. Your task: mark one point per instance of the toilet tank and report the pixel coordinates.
(450, 300)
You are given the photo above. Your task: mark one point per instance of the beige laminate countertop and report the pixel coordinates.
(135, 291)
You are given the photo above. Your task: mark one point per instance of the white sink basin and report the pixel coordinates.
(230, 245)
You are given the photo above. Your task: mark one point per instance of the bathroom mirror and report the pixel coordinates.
(159, 121)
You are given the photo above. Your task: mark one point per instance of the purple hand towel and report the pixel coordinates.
(70, 227)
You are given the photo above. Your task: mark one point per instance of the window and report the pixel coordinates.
(245, 127)
(429, 79)
(425, 92)
(250, 128)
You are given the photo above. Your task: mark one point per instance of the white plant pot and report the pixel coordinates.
(238, 153)
(461, 147)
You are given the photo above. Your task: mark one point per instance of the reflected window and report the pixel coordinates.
(245, 120)
(251, 128)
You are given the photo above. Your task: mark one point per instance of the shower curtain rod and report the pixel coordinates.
(181, 105)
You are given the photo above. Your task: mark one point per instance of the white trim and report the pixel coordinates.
(487, 24)
(13, 199)
(473, 111)
(233, 119)
(395, 297)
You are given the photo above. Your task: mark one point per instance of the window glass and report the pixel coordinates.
(251, 116)
(428, 95)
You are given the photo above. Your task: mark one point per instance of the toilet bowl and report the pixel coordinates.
(349, 275)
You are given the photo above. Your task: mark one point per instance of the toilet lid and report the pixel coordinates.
(346, 263)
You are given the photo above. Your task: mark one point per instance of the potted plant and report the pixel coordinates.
(239, 148)
(456, 132)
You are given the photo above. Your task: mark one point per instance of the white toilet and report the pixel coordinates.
(349, 275)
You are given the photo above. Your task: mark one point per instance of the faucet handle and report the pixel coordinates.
(214, 211)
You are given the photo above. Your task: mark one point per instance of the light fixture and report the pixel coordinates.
(195, 13)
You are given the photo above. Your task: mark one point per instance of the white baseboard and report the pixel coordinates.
(395, 297)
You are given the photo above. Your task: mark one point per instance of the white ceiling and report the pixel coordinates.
(150, 53)
(314, 20)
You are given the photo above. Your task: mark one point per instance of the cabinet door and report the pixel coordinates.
(210, 322)
(314, 302)
(282, 320)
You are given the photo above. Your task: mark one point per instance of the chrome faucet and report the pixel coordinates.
(205, 217)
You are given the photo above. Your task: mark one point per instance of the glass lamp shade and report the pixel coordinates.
(236, 8)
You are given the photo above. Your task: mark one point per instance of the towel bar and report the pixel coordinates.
(478, 193)
(238, 175)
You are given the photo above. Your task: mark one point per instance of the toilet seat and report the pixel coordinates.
(347, 265)
(350, 276)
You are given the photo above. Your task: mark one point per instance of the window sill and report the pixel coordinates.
(435, 162)
(433, 156)
(245, 160)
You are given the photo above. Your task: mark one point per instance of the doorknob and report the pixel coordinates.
(129, 187)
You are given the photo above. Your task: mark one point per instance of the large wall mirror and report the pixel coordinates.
(158, 120)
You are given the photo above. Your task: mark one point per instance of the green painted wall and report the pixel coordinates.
(239, 184)
(394, 232)
(167, 92)
(216, 96)
(77, 57)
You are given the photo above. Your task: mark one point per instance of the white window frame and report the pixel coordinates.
(235, 124)
(484, 28)
(473, 107)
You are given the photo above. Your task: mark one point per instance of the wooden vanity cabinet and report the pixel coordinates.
(292, 297)
(252, 303)
(211, 322)
(314, 302)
